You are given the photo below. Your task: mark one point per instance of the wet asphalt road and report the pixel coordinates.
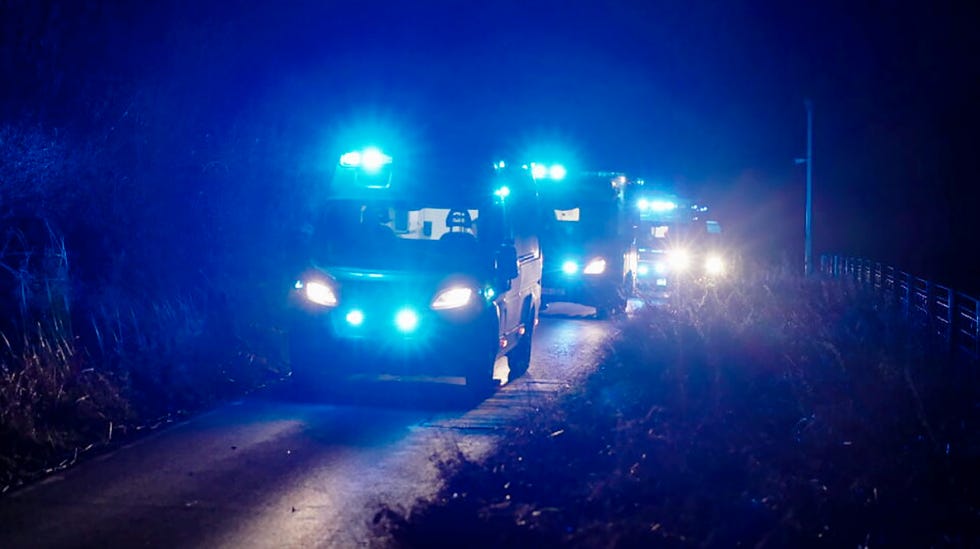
(270, 472)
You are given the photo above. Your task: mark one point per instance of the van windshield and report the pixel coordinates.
(569, 223)
(653, 235)
(402, 236)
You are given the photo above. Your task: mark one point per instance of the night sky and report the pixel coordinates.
(706, 96)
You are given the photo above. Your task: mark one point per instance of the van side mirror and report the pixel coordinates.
(506, 263)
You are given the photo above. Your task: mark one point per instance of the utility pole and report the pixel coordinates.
(808, 243)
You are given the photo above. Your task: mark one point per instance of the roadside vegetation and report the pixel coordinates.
(777, 412)
(127, 300)
(146, 236)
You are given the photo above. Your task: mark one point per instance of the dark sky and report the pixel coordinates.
(705, 95)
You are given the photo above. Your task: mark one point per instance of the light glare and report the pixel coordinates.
(569, 267)
(452, 298)
(406, 320)
(321, 294)
(373, 159)
(680, 260)
(595, 267)
(351, 159)
(714, 265)
(355, 317)
(557, 172)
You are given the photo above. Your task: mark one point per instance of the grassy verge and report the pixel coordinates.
(781, 412)
(72, 385)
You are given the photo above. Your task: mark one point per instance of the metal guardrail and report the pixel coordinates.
(950, 314)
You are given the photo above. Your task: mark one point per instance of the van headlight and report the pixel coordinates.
(595, 267)
(679, 260)
(452, 298)
(318, 292)
(714, 265)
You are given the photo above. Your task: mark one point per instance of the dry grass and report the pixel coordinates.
(66, 390)
(774, 413)
(52, 402)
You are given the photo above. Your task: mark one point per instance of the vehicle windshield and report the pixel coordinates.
(584, 222)
(661, 236)
(385, 235)
(584, 210)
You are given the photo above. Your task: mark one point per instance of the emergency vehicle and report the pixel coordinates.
(587, 238)
(417, 270)
(675, 242)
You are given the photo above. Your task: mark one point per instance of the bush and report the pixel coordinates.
(132, 291)
(780, 411)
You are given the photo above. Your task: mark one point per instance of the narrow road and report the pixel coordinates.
(268, 472)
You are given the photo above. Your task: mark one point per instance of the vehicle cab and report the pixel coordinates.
(587, 240)
(418, 272)
(675, 243)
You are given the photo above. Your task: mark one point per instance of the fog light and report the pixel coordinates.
(406, 320)
(355, 317)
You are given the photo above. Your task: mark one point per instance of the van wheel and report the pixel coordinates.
(519, 358)
(605, 312)
(479, 380)
(480, 385)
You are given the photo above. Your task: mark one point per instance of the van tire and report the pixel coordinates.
(519, 358)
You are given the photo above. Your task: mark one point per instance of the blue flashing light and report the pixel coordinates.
(351, 159)
(655, 205)
(502, 192)
(370, 159)
(406, 320)
(569, 267)
(355, 317)
(500, 165)
(643, 269)
(557, 172)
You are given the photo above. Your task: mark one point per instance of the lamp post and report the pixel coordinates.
(808, 234)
